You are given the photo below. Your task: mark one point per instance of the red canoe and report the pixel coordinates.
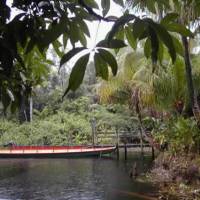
(54, 151)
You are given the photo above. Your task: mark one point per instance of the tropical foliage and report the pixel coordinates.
(181, 134)
(147, 67)
(66, 123)
(39, 24)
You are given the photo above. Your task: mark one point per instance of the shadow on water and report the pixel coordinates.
(72, 179)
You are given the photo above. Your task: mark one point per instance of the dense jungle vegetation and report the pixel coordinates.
(66, 122)
(143, 76)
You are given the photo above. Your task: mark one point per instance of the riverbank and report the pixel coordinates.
(177, 177)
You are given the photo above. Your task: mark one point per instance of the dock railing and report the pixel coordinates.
(122, 139)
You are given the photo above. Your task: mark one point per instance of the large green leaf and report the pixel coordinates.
(56, 45)
(77, 74)
(164, 36)
(147, 48)
(120, 22)
(120, 34)
(160, 52)
(178, 46)
(84, 27)
(114, 43)
(48, 36)
(178, 28)
(169, 18)
(92, 4)
(74, 33)
(101, 66)
(131, 39)
(70, 54)
(110, 59)
(82, 39)
(105, 4)
(154, 45)
(138, 28)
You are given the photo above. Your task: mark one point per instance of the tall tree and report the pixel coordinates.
(35, 71)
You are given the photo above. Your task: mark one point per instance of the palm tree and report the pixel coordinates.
(133, 85)
(188, 16)
(164, 90)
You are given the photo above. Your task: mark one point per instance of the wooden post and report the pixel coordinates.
(141, 139)
(125, 151)
(117, 149)
(93, 126)
(117, 135)
(117, 142)
(100, 154)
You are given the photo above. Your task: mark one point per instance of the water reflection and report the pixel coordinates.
(71, 179)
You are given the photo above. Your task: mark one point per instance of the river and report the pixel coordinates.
(71, 179)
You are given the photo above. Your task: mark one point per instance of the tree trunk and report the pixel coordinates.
(193, 103)
(28, 108)
(31, 108)
(22, 110)
(188, 69)
(25, 106)
(136, 102)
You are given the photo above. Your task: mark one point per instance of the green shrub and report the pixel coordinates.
(66, 123)
(60, 129)
(182, 134)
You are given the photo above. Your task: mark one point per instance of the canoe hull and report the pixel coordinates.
(78, 154)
